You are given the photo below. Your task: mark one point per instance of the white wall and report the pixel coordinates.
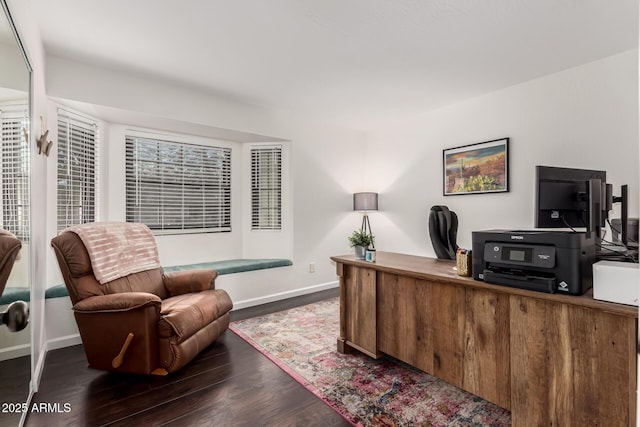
(12, 76)
(585, 117)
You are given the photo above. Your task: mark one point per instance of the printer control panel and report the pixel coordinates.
(522, 255)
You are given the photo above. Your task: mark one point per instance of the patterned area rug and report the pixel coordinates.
(367, 392)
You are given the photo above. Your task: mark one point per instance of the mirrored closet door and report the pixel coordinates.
(15, 337)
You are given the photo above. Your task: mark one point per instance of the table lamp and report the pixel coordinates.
(365, 202)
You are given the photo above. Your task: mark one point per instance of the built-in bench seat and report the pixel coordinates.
(11, 294)
(222, 267)
(233, 265)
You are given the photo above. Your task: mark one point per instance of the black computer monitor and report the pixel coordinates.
(571, 198)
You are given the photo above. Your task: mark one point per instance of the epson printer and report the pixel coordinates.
(546, 261)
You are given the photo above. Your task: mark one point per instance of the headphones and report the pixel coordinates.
(443, 230)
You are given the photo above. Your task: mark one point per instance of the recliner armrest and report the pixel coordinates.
(188, 281)
(125, 301)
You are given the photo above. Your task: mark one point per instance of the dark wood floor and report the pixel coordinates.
(14, 388)
(228, 384)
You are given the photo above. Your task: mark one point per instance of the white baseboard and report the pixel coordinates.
(38, 369)
(23, 418)
(284, 295)
(62, 342)
(15, 352)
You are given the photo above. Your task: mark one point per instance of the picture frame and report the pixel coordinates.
(477, 168)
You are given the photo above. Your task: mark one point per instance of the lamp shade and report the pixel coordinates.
(365, 201)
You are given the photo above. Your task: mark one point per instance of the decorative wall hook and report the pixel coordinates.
(43, 145)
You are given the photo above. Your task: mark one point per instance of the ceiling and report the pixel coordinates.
(357, 63)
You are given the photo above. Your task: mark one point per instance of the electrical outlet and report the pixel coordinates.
(312, 267)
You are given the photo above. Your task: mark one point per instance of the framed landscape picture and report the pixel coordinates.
(477, 168)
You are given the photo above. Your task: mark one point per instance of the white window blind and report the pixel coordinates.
(266, 187)
(78, 163)
(178, 187)
(15, 171)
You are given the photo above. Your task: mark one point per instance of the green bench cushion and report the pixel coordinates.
(233, 265)
(56, 292)
(222, 267)
(11, 294)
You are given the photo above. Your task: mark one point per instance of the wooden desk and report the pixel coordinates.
(551, 359)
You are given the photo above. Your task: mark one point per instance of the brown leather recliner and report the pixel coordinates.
(147, 322)
(16, 317)
(9, 249)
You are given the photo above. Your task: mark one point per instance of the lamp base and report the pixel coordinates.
(367, 225)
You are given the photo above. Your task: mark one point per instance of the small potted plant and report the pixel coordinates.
(361, 240)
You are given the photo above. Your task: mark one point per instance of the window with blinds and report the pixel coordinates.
(15, 170)
(266, 187)
(177, 187)
(78, 163)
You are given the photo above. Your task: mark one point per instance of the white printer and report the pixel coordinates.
(616, 281)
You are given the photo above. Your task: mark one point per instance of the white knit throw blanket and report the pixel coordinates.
(117, 249)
